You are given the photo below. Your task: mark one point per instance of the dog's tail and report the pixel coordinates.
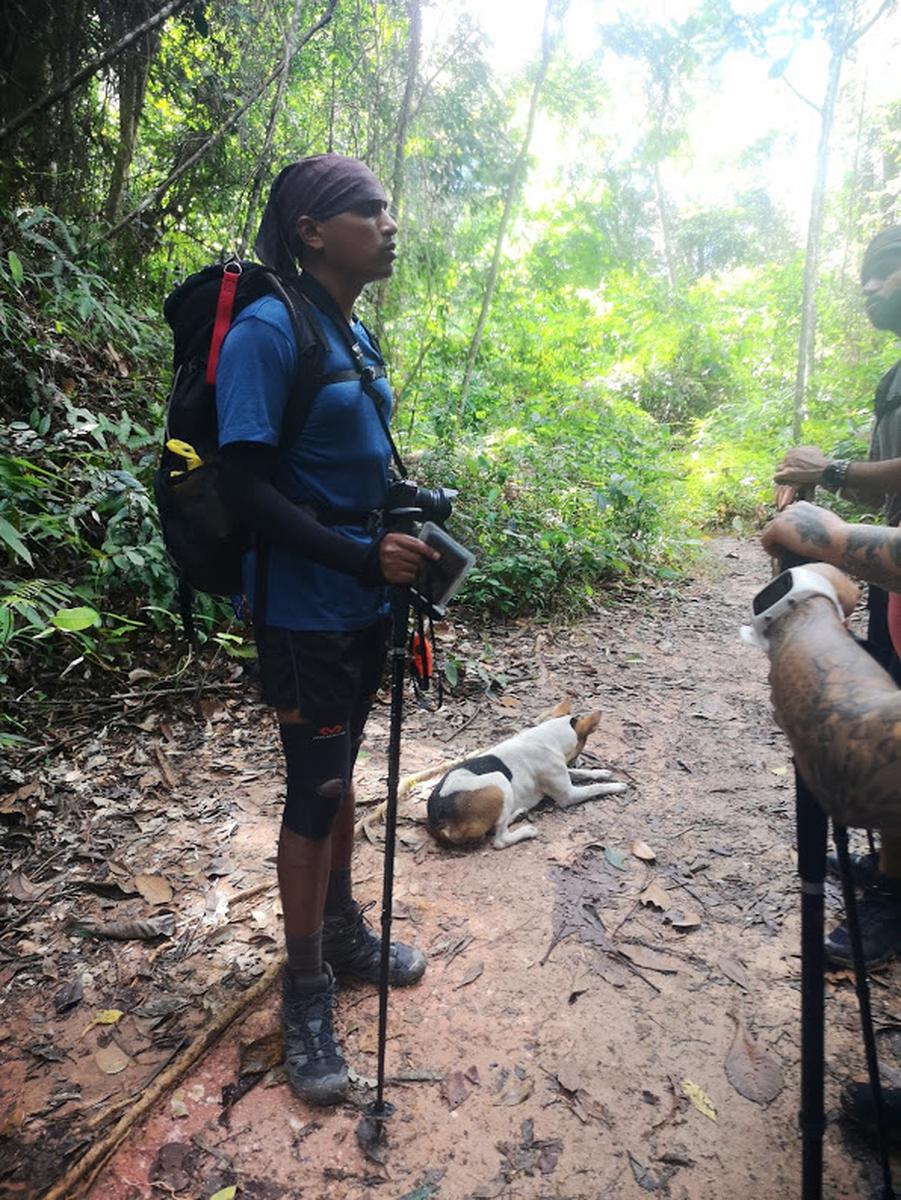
(405, 786)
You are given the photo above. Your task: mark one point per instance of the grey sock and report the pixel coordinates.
(305, 957)
(338, 898)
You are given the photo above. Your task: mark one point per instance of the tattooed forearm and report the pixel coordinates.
(842, 714)
(810, 528)
(873, 554)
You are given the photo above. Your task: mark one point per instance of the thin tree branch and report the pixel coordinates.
(548, 45)
(214, 138)
(804, 99)
(854, 36)
(91, 68)
(263, 163)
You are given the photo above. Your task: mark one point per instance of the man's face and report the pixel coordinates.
(360, 242)
(882, 290)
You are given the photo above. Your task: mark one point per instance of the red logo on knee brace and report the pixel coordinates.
(329, 730)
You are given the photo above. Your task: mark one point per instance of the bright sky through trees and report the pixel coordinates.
(738, 106)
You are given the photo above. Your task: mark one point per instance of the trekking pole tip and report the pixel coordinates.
(371, 1133)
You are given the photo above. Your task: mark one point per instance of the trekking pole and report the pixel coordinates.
(371, 1129)
(811, 827)
(862, 987)
(811, 830)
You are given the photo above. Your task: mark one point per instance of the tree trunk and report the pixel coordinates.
(133, 73)
(414, 14)
(264, 165)
(519, 166)
(843, 38)
(807, 335)
(91, 68)
(214, 138)
(666, 230)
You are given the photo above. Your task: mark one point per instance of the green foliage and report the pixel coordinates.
(635, 375)
(545, 550)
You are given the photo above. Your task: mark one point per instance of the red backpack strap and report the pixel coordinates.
(231, 273)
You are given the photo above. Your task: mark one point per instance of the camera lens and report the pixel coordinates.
(435, 502)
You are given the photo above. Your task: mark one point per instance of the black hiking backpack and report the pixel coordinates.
(204, 541)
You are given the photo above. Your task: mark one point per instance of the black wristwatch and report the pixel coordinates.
(834, 474)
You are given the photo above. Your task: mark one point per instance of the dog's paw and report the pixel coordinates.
(511, 836)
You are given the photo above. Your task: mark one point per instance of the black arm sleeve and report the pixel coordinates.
(247, 470)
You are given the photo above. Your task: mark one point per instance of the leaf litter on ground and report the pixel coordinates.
(750, 1068)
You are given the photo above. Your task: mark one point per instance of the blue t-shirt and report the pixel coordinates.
(339, 459)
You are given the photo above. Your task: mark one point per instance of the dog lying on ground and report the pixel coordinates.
(491, 790)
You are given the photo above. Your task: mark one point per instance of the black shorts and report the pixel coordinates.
(328, 677)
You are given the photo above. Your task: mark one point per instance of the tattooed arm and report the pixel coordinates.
(870, 552)
(866, 482)
(840, 711)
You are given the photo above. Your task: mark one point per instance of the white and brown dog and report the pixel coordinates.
(492, 789)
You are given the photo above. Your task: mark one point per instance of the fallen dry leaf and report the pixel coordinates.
(126, 931)
(516, 1091)
(569, 1075)
(19, 887)
(154, 888)
(263, 1053)
(106, 1016)
(649, 960)
(615, 858)
(581, 983)
(111, 1059)
(655, 897)
(687, 920)
(12, 1114)
(699, 1099)
(642, 850)
(735, 970)
(587, 1108)
(454, 1089)
(751, 1069)
(470, 977)
(169, 777)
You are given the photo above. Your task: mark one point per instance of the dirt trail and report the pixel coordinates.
(563, 1027)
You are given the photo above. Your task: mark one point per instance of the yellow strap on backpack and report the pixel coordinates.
(186, 451)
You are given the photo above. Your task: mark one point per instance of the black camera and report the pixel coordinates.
(434, 504)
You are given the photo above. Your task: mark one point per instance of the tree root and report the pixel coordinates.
(83, 1172)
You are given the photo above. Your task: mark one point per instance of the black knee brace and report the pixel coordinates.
(318, 766)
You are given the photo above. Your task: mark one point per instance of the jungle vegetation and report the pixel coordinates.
(599, 335)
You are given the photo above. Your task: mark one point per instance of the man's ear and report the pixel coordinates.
(308, 233)
(585, 725)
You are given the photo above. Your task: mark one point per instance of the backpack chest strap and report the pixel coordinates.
(350, 376)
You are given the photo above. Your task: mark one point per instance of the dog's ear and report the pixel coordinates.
(563, 709)
(585, 725)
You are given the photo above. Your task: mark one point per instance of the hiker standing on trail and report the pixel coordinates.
(841, 712)
(316, 579)
(814, 533)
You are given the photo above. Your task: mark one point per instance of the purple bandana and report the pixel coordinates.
(321, 186)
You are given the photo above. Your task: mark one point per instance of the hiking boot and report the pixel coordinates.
(879, 913)
(352, 949)
(864, 868)
(858, 1106)
(313, 1060)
